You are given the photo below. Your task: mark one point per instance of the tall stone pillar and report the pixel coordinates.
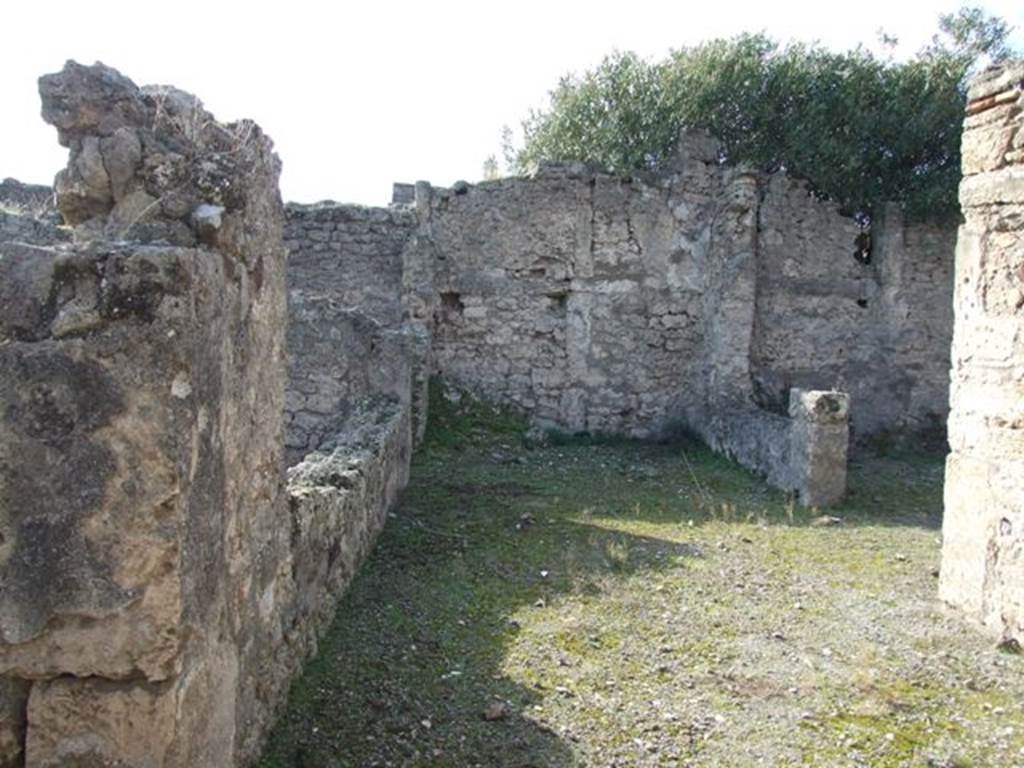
(143, 525)
(983, 530)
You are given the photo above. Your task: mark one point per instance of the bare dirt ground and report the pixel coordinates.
(623, 604)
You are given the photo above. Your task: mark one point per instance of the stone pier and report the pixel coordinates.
(983, 531)
(144, 537)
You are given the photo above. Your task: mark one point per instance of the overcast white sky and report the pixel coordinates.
(358, 95)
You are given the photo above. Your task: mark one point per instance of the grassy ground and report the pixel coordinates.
(626, 604)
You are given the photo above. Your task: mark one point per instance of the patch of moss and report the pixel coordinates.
(459, 421)
(644, 604)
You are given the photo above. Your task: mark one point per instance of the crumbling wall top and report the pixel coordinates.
(152, 165)
(995, 80)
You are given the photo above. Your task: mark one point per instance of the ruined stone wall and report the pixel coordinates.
(575, 295)
(142, 510)
(698, 298)
(629, 306)
(983, 529)
(145, 562)
(163, 580)
(346, 338)
(865, 311)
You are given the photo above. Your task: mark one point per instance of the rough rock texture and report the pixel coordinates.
(145, 568)
(623, 305)
(818, 438)
(983, 528)
(875, 323)
(19, 227)
(28, 215)
(630, 306)
(347, 340)
(574, 296)
(339, 498)
(34, 198)
(151, 165)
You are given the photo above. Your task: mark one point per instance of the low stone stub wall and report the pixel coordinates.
(339, 497)
(804, 453)
(983, 528)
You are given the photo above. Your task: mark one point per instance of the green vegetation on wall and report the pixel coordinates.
(862, 129)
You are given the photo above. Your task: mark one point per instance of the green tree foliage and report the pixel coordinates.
(860, 128)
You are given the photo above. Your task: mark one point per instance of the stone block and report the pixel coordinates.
(988, 148)
(1002, 187)
(819, 438)
(189, 721)
(996, 80)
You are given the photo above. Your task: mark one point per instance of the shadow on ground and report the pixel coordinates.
(625, 604)
(410, 673)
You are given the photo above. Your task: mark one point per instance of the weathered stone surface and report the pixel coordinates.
(130, 431)
(32, 198)
(142, 160)
(818, 439)
(82, 433)
(146, 574)
(569, 296)
(879, 330)
(1007, 78)
(189, 721)
(347, 337)
(28, 215)
(983, 540)
(339, 497)
(805, 454)
(601, 304)
(1004, 186)
(403, 194)
(13, 711)
(753, 437)
(339, 359)
(158, 592)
